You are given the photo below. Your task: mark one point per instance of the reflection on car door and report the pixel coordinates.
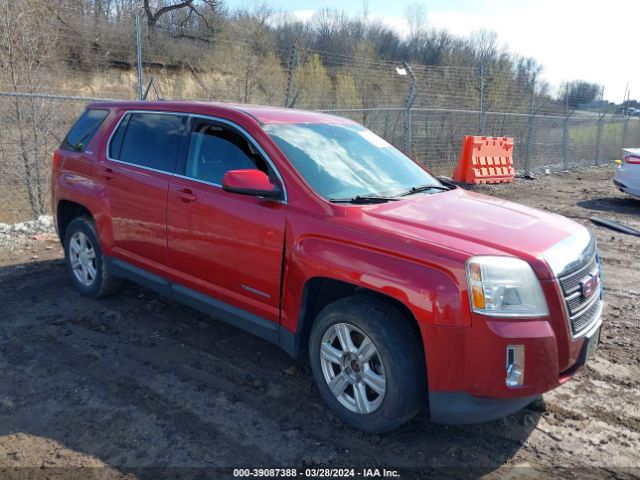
(225, 245)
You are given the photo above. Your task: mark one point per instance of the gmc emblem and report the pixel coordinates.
(589, 285)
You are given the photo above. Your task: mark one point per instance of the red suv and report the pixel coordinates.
(312, 232)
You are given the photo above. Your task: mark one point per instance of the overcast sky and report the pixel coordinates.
(597, 41)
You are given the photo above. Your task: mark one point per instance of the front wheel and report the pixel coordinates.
(368, 362)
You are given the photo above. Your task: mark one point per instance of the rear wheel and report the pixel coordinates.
(368, 363)
(85, 262)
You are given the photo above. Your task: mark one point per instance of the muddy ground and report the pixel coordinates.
(138, 386)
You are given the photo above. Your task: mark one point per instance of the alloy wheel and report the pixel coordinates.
(353, 368)
(82, 257)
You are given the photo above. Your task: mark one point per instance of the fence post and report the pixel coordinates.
(139, 57)
(625, 130)
(411, 96)
(530, 131)
(599, 138)
(600, 127)
(565, 142)
(481, 120)
(293, 62)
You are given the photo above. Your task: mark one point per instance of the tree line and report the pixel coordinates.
(330, 31)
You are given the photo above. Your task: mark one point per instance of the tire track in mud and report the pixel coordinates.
(120, 386)
(175, 360)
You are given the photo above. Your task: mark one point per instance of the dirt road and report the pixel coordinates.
(134, 383)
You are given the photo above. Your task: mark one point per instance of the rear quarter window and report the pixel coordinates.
(149, 140)
(84, 129)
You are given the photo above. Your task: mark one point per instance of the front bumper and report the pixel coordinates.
(460, 408)
(467, 366)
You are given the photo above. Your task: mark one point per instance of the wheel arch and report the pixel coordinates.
(66, 211)
(318, 292)
(429, 290)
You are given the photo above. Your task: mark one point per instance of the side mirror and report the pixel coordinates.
(249, 182)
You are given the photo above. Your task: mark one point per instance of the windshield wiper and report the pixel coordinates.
(362, 199)
(423, 188)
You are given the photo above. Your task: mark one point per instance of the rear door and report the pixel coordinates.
(225, 245)
(141, 158)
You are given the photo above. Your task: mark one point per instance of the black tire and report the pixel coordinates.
(104, 283)
(399, 348)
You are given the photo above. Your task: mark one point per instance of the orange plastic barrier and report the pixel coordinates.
(485, 160)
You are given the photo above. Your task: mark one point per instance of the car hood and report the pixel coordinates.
(473, 223)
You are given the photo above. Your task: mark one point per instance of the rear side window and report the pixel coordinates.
(84, 129)
(149, 140)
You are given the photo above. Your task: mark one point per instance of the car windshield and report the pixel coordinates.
(347, 161)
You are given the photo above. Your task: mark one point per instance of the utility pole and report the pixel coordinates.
(139, 57)
(411, 96)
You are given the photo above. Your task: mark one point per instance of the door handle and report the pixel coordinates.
(186, 194)
(107, 173)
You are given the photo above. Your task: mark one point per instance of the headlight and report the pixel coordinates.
(504, 287)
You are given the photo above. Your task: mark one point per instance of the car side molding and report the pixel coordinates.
(206, 304)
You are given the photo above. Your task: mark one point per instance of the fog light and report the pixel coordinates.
(515, 366)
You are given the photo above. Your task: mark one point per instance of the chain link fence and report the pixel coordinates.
(76, 56)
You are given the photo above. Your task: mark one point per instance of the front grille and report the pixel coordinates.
(571, 282)
(581, 322)
(583, 311)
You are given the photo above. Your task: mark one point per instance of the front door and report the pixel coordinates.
(226, 245)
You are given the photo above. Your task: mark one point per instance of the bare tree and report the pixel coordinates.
(257, 42)
(484, 44)
(193, 7)
(415, 14)
(577, 92)
(27, 43)
(153, 17)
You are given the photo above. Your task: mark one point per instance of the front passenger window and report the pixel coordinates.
(215, 149)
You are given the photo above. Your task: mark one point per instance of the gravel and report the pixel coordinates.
(18, 235)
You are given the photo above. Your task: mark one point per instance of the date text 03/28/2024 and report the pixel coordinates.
(316, 473)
